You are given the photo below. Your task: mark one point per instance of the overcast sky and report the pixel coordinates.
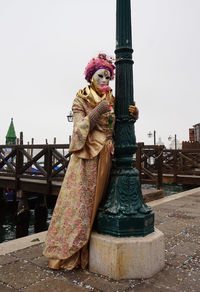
(46, 44)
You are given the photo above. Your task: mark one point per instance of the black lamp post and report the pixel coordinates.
(154, 136)
(124, 213)
(70, 119)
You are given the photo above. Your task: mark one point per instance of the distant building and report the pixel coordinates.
(160, 142)
(194, 133)
(191, 135)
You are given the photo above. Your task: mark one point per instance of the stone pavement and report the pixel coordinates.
(177, 216)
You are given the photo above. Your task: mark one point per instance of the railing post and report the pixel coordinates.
(159, 167)
(32, 142)
(175, 165)
(2, 205)
(48, 164)
(41, 213)
(41, 210)
(23, 214)
(19, 165)
(21, 138)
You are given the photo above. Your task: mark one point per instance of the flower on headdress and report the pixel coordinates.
(101, 62)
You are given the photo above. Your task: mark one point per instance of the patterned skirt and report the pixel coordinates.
(71, 224)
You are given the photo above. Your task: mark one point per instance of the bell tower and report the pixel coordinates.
(11, 136)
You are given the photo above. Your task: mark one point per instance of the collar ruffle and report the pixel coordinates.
(93, 98)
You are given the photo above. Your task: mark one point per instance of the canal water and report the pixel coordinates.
(8, 219)
(8, 227)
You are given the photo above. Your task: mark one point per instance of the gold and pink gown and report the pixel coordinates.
(83, 185)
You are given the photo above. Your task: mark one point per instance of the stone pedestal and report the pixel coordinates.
(127, 258)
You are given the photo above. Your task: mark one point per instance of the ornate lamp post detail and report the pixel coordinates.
(124, 213)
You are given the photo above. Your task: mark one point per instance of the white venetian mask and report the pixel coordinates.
(101, 77)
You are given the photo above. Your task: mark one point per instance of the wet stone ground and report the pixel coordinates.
(26, 270)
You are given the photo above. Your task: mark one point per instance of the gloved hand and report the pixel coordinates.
(134, 112)
(96, 113)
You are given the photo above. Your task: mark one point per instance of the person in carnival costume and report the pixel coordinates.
(88, 171)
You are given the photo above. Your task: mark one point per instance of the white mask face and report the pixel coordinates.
(101, 77)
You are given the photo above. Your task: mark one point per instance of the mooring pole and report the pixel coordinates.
(124, 213)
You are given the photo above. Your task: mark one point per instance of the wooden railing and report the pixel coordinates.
(45, 162)
(155, 163)
(149, 161)
(181, 161)
(48, 163)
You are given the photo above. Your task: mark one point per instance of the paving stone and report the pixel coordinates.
(167, 207)
(187, 281)
(77, 275)
(168, 279)
(148, 288)
(175, 260)
(55, 285)
(41, 261)
(186, 248)
(30, 252)
(171, 227)
(161, 217)
(21, 274)
(178, 280)
(180, 203)
(191, 211)
(195, 199)
(6, 259)
(5, 288)
(106, 284)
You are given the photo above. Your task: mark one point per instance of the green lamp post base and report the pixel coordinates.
(124, 213)
(137, 226)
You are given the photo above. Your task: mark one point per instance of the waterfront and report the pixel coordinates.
(8, 227)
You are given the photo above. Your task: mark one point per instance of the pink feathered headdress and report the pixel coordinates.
(101, 62)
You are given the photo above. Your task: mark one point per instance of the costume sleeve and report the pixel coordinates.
(81, 126)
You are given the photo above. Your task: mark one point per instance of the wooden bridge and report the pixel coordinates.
(156, 165)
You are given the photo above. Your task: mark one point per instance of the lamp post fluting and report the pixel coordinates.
(123, 212)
